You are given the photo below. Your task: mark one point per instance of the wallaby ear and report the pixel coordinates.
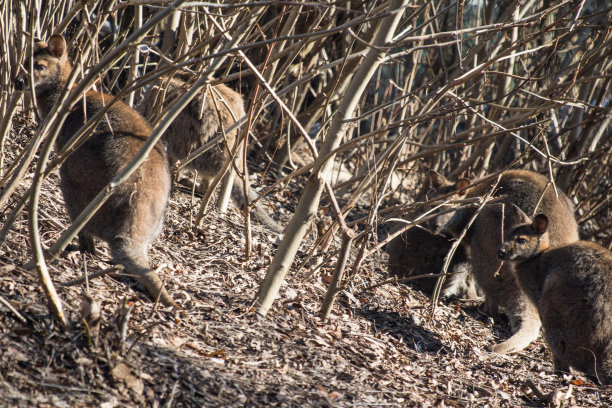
(518, 216)
(461, 185)
(437, 180)
(57, 45)
(540, 224)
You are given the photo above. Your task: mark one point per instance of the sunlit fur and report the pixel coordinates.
(210, 114)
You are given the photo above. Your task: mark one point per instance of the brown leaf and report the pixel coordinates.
(122, 373)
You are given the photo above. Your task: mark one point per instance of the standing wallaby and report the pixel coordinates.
(570, 285)
(133, 215)
(531, 192)
(199, 122)
(417, 251)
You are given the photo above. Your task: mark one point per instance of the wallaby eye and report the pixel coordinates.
(39, 67)
(521, 241)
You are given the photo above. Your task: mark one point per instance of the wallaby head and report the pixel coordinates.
(50, 64)
(527, 238)
(441, 187)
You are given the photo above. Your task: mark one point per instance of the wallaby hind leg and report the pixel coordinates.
(561, 366)
(135, 261)
(604, 372)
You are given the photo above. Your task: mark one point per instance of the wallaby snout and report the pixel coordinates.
(502, 254)
(20, 82)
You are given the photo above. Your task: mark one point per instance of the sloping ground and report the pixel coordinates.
(381, 347)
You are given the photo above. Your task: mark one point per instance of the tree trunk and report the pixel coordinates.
(309, 201)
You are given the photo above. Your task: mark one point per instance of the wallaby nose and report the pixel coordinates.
(501, 253)
(19, 83)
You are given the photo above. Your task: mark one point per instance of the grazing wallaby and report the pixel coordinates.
(532, 193)
(570, 285)
(133, 215)
(417, 251)
(198, 123)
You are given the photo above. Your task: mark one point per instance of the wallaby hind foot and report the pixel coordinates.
(133, 256)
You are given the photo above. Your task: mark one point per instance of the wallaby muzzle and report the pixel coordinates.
(20, 82)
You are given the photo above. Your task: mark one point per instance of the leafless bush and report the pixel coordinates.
(464, 88)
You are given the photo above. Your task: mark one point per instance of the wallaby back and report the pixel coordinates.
(133, 215)
(198, 123)
(531, 192)
(417, 251)
(570, 285)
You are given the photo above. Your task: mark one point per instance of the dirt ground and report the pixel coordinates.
(381, 347)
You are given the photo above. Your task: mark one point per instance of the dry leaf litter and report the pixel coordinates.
(382, 347)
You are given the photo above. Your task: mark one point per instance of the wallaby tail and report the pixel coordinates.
(260, 211)
(528, 331)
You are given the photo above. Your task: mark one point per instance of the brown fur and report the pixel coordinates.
(198, 123)
(418, 252)
(525, 189)
(570, 285)
(133, 215)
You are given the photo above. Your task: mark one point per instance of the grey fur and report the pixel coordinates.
(570, 285)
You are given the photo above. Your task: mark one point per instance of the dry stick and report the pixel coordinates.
(135, 55)
(232, 41)
(78, 6)
(285, 109)
(226, 187)
(10, 220)
(309, 201)
(91, 276)
(38, 256)
(516, 135)
(335, 284)
(8, 113)
(245, 174)
(8, 304)
(395, 279)
(373, 213)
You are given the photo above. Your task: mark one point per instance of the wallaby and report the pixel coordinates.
(133, 215)
(532, 193)
(198, 123)
(417, 251)
(570, 285)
